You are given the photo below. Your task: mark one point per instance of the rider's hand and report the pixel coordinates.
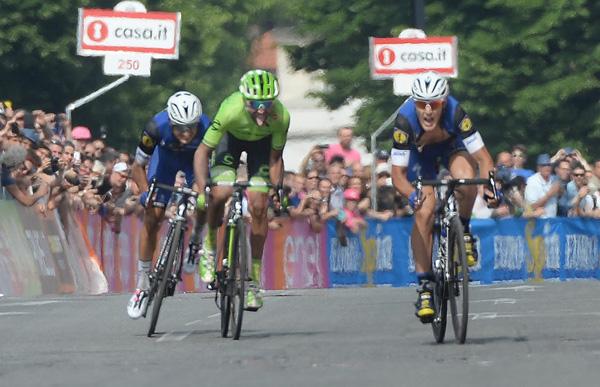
(201, 202)
(488, 196)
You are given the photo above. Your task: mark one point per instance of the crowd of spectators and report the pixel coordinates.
(45, 162)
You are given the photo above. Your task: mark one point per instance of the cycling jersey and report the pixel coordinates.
(166, 154)
(459, 134)
(233, 118)
(234, 130)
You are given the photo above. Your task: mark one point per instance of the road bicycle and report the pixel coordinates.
(232, 274)
(449, 259)
(167, 269)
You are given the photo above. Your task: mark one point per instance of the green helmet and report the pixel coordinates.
(259, 84)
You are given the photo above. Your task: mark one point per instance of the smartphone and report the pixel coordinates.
(76, 157)
(323, 146)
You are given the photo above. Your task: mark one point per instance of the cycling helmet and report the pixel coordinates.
(429, 86)
(259, 84)
(184, 108)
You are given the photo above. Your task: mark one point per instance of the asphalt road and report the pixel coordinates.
(520, 334)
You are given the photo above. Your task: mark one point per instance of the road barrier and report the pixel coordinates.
(69, 252)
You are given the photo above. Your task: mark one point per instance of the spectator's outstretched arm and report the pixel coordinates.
(24, 198)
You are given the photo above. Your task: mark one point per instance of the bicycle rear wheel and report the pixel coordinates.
(163, 274)
(440, 295)
(458, 286)
(238, 279)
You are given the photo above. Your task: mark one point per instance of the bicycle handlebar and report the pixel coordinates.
(490, 182)
(154, 185)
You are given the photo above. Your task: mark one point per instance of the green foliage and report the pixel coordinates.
(39, 67)
(528, 69)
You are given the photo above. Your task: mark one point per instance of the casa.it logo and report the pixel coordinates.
(97, 31)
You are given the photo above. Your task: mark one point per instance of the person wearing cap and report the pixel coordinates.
(167, 145)
(382, 156)
(543, 189)
(431, 125)
(81, 136)
(352, 219)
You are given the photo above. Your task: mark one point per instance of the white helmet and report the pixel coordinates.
(429, 86)
(184, 108)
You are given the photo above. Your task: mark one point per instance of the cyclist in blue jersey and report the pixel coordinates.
(167, 144)
(431, 128)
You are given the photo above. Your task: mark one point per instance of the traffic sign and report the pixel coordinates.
(392, 56)
(102, 31)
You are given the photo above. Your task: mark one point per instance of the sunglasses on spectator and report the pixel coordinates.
(312, 177)
(258, 104)
(436, 104)
(579, 174)
(517, 155)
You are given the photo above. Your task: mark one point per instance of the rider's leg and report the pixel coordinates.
(148, 237)
(421, 242)
(462, 166)
(257, 204)
(214, 218)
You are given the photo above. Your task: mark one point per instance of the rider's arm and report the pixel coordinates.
(403, 139)
(276, 167)
(149, 139)
(201, 158)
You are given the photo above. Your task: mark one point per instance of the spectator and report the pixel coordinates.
(352, 218)
(504, 159)
(382, 156)
(594, 181)
(98, 148)
(583, 203)
(312, 180)
(567, 194)
(343, 148)
(81, 135)
(315, 160)
(519, 158)
(14, 170)
(543, 189)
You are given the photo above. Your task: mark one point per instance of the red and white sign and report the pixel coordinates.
(102, 31)
(392, 56)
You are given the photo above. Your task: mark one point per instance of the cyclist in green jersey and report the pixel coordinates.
(252, 120)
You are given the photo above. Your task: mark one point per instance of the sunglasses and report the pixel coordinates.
(433, 104)
(312, 177)
(579, 174)
(517, 155)
(183, 128)
(258, 104)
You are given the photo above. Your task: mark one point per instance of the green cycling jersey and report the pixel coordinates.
(233, 118)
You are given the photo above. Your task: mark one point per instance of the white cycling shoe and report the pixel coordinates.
(138, 303)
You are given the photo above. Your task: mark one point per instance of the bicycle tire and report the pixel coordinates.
(238, 279)
(163, 279)
(458, 286)
(440, 297)
(224, 288)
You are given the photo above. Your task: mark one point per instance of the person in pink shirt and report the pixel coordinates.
(343, 148)
(353, 219)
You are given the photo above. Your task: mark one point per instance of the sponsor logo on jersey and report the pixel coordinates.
(466, 124)
(400, 136)
(147, 141)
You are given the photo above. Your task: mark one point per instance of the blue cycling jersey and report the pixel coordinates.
(423, 155)
(166, 154)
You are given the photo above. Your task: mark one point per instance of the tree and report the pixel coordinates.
(39, 67)
(528, 69)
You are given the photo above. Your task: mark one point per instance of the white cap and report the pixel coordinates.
(121, 167)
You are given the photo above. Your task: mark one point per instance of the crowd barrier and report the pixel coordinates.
(45, 255)
(81, 253)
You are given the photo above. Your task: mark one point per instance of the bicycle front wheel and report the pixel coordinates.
(440, 294)
(458, 284)
(163, 274)
(238, 279)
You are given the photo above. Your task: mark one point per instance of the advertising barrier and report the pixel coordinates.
(68, 252)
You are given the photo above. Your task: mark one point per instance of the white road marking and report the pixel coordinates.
(498, 301)
(32, 303)
(493, 315)
(13, 313)
(520, 288)
(187, 324)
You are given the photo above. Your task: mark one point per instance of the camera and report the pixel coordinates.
(72, 179)
(14, 128)
(54, 164)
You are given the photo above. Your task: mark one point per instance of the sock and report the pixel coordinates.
(466, 224)
(211, 239)
(424, 277)
(256, 270)
(144, 266)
